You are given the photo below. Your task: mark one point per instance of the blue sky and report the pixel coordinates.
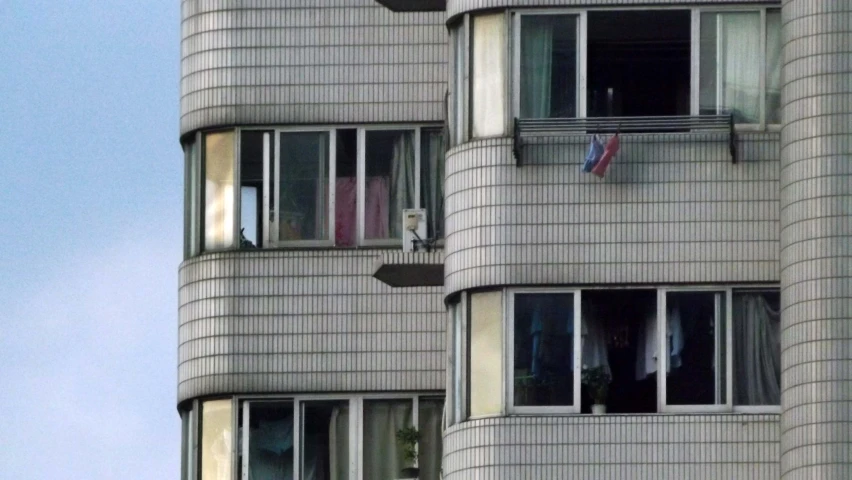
(90, 212)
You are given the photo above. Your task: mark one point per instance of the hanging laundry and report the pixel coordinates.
(596, 149)
(609, 152)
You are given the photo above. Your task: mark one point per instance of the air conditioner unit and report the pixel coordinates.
(413, 221)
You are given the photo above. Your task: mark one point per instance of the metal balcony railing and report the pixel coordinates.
(527, 128)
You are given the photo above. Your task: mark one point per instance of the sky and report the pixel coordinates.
(90, 217)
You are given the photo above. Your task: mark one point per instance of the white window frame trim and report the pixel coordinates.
(509, 357)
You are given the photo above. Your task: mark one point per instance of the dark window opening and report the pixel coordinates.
(619, 333)
(252, 155)
(638, 63)
(346, 190)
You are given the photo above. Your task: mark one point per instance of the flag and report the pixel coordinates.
(593, 157)
(609, 152)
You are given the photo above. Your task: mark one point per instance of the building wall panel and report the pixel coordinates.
(816, 240)
(248, 62)
(616, 447)
(455, 7)
(672, 209)
(304, 321)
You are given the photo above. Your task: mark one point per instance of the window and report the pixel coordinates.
(488, 67)
(546, 345)
(389, 184)
(219, 190)
(549, 66)
(654, 62)
(216, 440)
(458, 365)
(323, 437)
(695, 344)
(740, 65)
(711, 349)
(192, 184)
(311, 187)
(458, 106)
(757, 347)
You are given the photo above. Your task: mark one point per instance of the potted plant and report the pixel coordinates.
(597, 380)
(408, 438)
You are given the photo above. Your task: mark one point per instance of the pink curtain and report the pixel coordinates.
(345, 218)
(376, 209)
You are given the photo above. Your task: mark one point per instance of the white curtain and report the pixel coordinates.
(536, 66)
(383, 458)
(338, 443)
(402, 182)
(739, 59)
(757, 350)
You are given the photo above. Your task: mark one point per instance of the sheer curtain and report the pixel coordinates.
(757, 349)
(536, 66)
(738, 62)
(401, 182)
(382, 454)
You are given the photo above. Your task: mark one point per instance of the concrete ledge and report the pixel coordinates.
(410, 269)
(415, 5)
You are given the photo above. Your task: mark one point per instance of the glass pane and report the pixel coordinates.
(219, 190)
(489, 77)
(730, 59)
(485, 366)
(216, 438)
(255, 152)
(192, 184)
(346, 193)
(548, 66)
(325, 440)
(185, 444)
(773, 66)
(389, 183)
(696, 348)
(432, 180)
(303, 195)
(458, 341)
(757, 348)
(430, 446)
(271, 441)
(383, 455)
(458, 84)
(544, 349)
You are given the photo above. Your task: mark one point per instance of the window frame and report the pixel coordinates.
(582, 53)
(361, 213)
(241, 408)
(272, 183)
(662, 344)
(509, 356)
(695, 74)
(268, 230)
(764, 288)
(727, 406)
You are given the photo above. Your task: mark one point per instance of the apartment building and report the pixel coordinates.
(632, 256)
